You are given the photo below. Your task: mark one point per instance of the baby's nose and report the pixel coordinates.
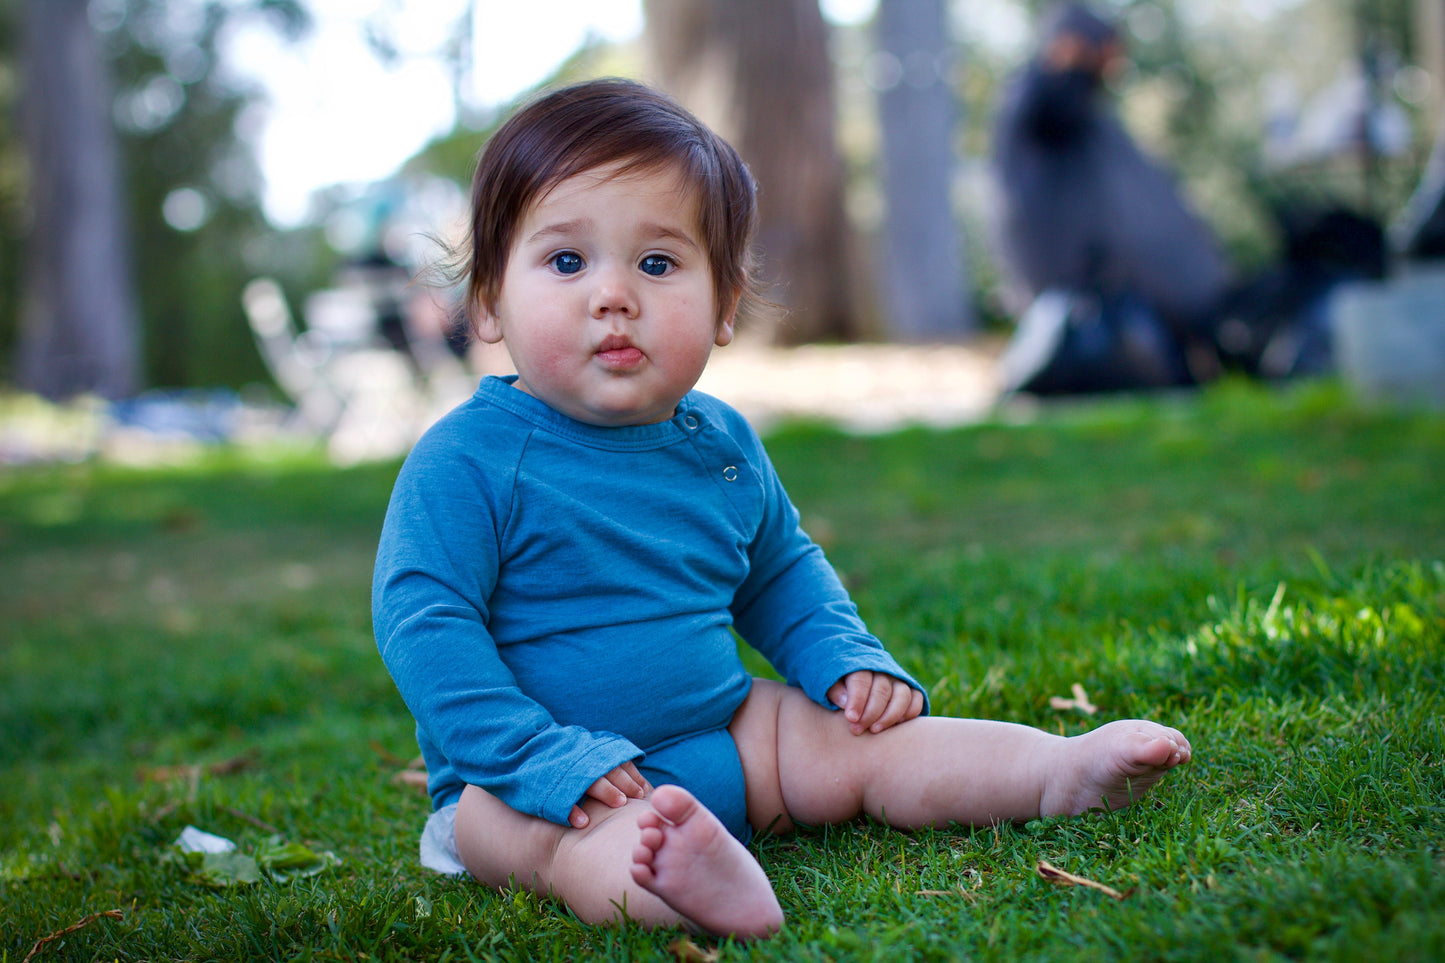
(613, 293)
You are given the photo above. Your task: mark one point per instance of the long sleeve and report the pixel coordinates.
(437, 566)
(794, 610)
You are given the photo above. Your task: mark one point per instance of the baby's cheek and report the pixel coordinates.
(551, 356)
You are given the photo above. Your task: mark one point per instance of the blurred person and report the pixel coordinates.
(382, 284)
(1082, 209)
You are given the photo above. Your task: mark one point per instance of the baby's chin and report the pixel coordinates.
(627, 418)
(602, 408)
(621, 416)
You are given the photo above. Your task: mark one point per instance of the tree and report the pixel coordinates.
(759, 72)
(79, 325)
(1420, 229)
(193, 185)
(924, 273)
(140, 203)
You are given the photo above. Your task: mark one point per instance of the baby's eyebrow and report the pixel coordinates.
(560, 229)
(668, 232)
(649, 229)
(655, 230)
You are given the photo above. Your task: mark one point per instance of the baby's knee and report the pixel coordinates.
(823, 768)
(500, 846)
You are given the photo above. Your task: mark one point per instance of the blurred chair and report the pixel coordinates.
(346, 382)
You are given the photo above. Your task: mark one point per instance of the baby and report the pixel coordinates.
(568, 554)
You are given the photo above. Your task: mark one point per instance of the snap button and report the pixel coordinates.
(690, 421)
(730, 473)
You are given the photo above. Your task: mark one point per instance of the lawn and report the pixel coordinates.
(1264, 569)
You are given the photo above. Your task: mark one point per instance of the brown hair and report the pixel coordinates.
(598, 123)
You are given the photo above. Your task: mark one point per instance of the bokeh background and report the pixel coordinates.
(224, 141)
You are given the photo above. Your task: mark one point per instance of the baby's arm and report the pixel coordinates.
(438, 562)
(793, 609)
(874, 701)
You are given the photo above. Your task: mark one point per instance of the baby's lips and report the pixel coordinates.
(625, 357)
(614, 342)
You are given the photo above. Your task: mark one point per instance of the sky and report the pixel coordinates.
(335, 114)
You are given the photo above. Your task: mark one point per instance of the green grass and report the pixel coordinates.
(1265, 570)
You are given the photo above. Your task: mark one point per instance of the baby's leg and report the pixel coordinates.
(680, 850)
(802, 764)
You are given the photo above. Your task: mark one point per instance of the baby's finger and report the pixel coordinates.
(860, 684)
(900, 704)
(879, 695)
(577, 818)
(629, 780)
(915, 708)
(606, 793)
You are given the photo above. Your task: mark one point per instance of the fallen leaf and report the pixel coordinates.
(287, 861)
(235, 764)
(223, 767)
(214, 861)
(411, 777)
(689, 952)
(193, 840)
(220, 870)
(169, 773)
(1080, 701)
(1053, 874)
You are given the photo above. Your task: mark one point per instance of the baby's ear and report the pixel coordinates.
(488, 325)
(727, 325)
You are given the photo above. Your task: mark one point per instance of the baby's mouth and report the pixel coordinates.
(618, 352)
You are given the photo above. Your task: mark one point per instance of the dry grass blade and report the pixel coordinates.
(45, 941)
(260, 824)
(1053, 874)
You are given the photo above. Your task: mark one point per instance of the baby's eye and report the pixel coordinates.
(567, 262)
(657, 265)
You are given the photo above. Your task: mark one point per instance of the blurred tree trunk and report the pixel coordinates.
(1429, 39)
(78, 324)
(1419, 229)
(924, 269)
(759, 73)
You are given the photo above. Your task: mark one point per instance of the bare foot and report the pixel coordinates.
(689, 860)
(1111, 766)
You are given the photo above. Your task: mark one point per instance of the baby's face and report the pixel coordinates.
(607, 304)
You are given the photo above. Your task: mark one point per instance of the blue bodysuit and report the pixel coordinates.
(554, 599)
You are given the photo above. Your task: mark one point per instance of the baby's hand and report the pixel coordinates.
(613, 790)
(873, 701)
